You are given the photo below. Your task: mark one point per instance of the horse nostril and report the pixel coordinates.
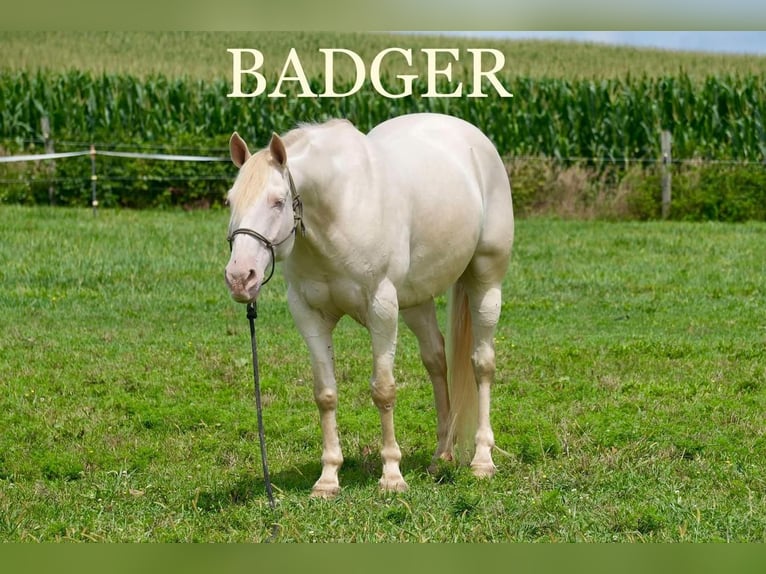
(241, 278)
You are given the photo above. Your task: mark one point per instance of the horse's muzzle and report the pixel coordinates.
(244, 286)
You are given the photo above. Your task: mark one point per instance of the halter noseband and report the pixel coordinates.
(297, 222)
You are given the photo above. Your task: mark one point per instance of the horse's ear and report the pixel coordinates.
(277, 149)
(238, 150)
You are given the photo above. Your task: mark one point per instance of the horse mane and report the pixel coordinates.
(302, 127)
(249, 183)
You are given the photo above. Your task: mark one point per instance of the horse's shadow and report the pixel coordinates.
(357, 471)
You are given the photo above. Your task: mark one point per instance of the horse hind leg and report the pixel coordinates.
(482, 282)
(422, 322)
(485, 306)
(483, 359)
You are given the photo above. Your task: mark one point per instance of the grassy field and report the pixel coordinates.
(630, 392)
(203, 56)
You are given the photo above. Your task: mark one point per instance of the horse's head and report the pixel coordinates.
(265, 211)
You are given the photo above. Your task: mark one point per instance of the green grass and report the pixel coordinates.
(203, 56)
(630, 392)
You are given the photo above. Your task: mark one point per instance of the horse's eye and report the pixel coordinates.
(278, 203)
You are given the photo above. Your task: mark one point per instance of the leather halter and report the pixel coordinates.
(297, 222)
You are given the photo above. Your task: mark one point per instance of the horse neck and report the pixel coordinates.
(323, 161)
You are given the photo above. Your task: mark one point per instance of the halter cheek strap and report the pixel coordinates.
(271, 245)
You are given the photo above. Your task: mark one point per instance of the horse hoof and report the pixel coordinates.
(397, 485)
(325, 491)
(484, 470)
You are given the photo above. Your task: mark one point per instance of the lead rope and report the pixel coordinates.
(252, 315)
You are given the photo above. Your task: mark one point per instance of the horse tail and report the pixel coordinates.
(463, 392)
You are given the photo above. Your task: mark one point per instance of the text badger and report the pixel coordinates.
(485, 63)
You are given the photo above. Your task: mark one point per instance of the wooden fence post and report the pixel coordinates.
(667, 176)
(45, 128)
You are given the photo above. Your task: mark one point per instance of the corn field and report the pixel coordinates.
(598, 121)
(610, 120)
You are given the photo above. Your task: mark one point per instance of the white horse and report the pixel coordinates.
(370, 227)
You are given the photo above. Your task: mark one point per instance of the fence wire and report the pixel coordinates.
(112, 151)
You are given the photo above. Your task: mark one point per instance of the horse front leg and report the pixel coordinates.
(316, 329)
(382, 323)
